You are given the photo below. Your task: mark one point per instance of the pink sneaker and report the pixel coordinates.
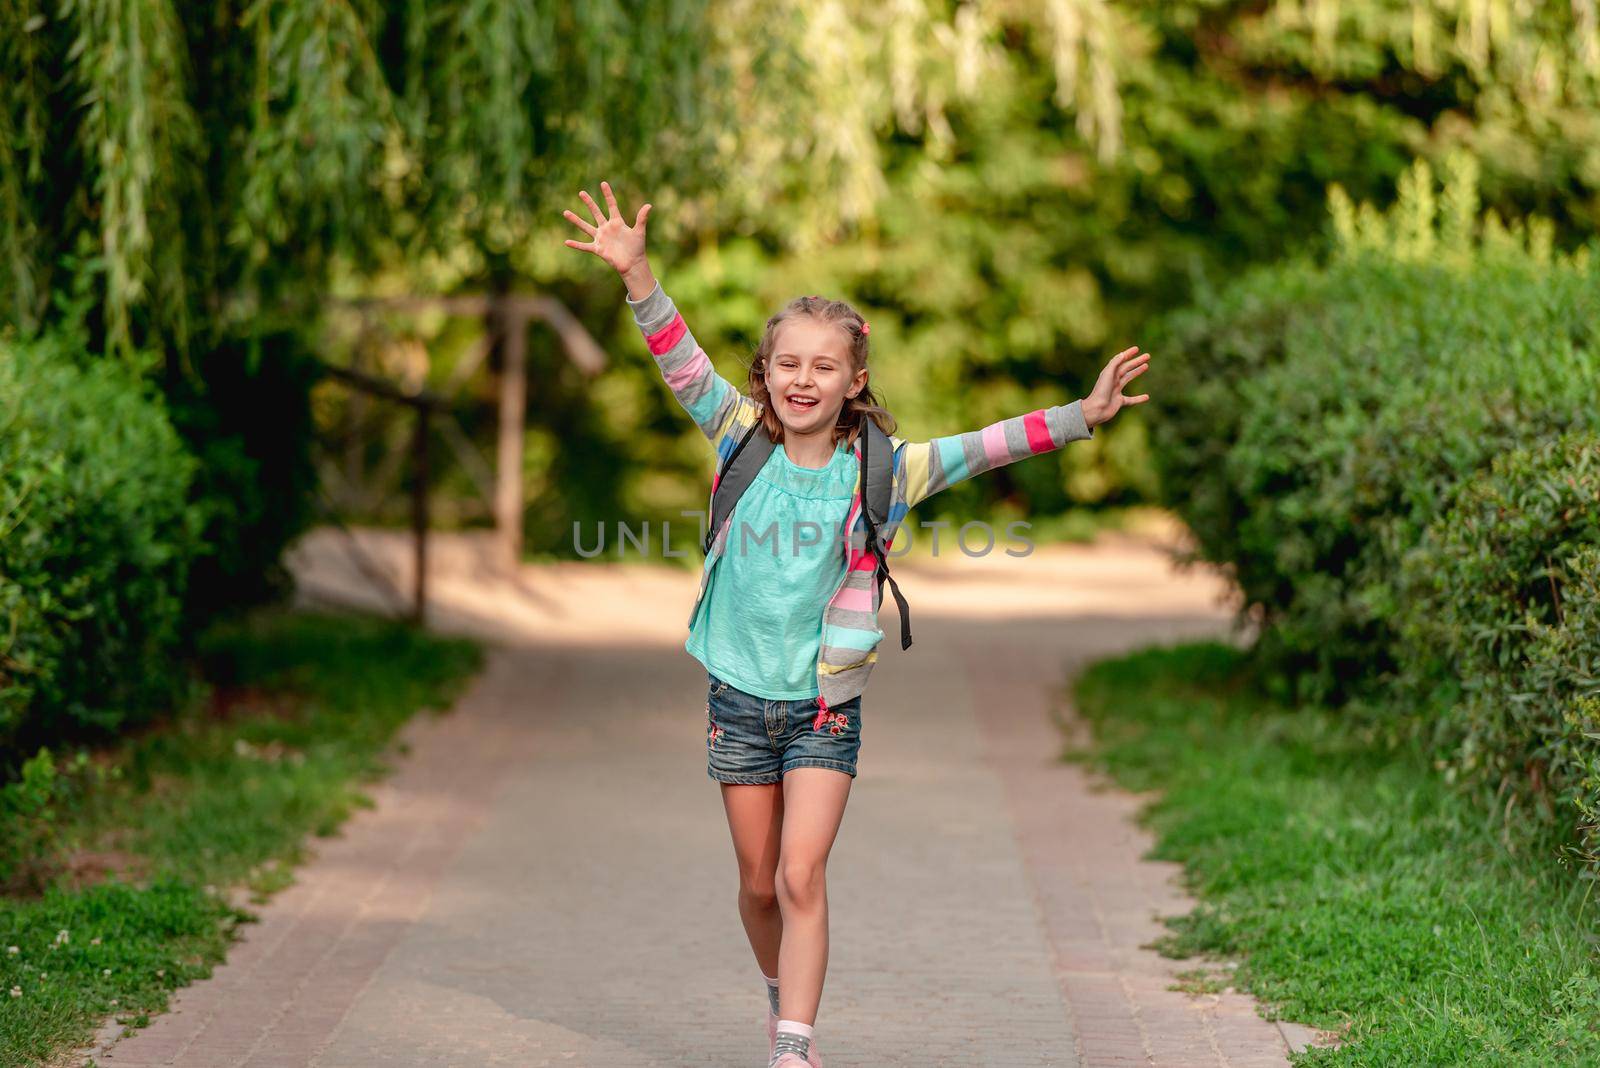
(813, 1058)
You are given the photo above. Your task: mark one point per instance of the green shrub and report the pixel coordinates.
(244, 410)
(34, 808)
(1501, 611)
(1571, 653)
(28, 818)
(95, 539)
(1318, 416)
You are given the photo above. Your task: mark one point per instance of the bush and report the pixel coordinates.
(96, 534)
(244, 409)
(28, 819)
(33, 809)
(1502, 609)
(1568, 661)
(1320, 415)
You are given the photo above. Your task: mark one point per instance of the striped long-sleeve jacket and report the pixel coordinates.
(850, 633)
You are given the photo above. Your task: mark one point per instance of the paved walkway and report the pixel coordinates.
(547, 879)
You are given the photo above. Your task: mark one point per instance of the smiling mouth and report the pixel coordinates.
(803, 403)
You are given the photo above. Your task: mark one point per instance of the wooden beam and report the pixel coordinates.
(511, 309)
(381, 387)
(506, 318)
(419, 513)
(508, 458)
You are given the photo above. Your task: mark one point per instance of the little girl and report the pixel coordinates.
(787, 630)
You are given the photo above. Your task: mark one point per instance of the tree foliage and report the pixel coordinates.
(1019, 240)
(1011, 188)
(225, 157)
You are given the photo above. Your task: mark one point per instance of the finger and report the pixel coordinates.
(587, 246)
(611, 200)
(1125, 353)
(599, 216)
(581, 224)
(639, 220)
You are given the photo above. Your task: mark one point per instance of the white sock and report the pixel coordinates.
(793, 1037)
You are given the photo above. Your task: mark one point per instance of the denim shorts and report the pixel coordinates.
(752, 739)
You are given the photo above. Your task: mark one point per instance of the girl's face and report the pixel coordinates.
(809, 375)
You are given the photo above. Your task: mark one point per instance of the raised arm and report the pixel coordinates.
(931, 466)
(711, 400)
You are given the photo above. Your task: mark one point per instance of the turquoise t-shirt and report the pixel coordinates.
(759, 625)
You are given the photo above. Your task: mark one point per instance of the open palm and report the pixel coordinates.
(1106, 399)
(613, 240)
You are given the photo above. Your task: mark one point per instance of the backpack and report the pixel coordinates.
(877, 457)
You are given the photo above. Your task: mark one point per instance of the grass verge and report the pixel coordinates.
(1357, 891)
(298, 711)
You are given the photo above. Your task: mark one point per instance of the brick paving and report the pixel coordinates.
(547, 877)
(1099, 902)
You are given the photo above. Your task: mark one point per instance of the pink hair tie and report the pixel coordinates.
(866, 328)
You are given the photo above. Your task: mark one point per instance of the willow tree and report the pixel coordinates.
(1010, 184)
(200, 161)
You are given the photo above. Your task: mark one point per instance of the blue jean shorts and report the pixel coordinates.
(752, 739)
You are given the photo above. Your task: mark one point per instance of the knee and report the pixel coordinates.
(801, 884)
(756, 891)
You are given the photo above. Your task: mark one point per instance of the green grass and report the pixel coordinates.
(1356, 890)
(299, 713)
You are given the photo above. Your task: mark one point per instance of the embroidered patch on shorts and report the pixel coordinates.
(713, 730)
(836, 722)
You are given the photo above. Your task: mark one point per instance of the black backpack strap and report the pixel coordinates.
(741, 469)
(877, 467)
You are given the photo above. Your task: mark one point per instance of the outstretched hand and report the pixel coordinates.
(1106, 399)
(614, 240)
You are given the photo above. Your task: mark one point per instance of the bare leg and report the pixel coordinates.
(755, 816)
(813, 800)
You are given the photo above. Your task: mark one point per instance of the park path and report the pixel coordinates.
(547, 877)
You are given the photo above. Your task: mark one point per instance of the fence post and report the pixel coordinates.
(513, 411)
(419, 509)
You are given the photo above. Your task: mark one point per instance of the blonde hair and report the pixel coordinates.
(864, 405)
